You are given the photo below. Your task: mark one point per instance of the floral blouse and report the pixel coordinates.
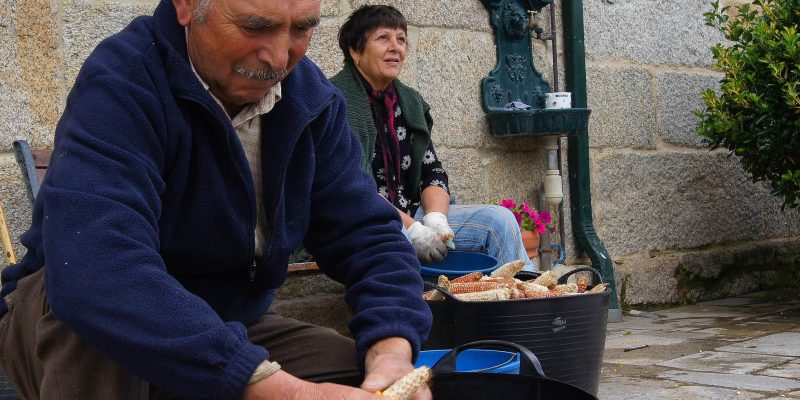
(433, 174)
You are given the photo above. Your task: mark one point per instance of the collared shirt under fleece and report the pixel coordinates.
(247, 124)
(145, 221)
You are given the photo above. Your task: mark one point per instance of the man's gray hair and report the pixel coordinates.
(199, 14)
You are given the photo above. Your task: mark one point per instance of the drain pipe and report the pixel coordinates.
(578, 153)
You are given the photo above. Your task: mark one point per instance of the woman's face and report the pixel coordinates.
(383, 56)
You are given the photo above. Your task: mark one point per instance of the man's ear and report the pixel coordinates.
(185, 8)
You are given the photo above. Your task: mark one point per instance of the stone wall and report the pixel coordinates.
(681, 223)
(671, 213)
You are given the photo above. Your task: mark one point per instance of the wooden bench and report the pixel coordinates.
(33, 164)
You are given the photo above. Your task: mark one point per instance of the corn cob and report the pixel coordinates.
(444, 283)
(542, 295)
(534, 287)
(409, 384)
(516, 293)
(504, 281)
(599, 288)
(582, 284)
(469, 287)
(508, 270)
(470, 277)
(547, 279)
(487, 295)
(568, 288)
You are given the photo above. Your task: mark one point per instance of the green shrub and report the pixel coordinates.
(756, 113)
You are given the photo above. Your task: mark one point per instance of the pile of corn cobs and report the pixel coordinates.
(501, 285)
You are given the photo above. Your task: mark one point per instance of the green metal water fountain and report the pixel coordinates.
(513, 97)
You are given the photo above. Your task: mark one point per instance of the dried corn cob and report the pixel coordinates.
(582, 284)
(470, 277)
(409, 384)
(542, 295)
(568, 288)
(546, 279)
(508, 270)
(469, 287)
(534, 287)
(444, 283)
(504, 281)
(488, 295)
(599, 288)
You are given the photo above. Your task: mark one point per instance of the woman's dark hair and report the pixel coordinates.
(353, 34)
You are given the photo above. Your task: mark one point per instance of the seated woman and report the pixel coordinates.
(393, 123)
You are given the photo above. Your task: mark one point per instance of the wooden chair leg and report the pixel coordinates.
(5, 238)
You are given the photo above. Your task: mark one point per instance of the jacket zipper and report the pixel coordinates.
(241, 175)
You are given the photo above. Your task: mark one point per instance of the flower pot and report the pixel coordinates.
(531, 240)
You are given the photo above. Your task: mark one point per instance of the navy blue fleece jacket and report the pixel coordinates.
(145, 220)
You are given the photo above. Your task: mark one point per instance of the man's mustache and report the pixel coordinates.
(262, 74)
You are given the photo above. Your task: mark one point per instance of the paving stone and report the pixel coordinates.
(782, 344)
(635, 337)
(701, 393)
(706, 365)
(663, 324)
(629, 388)
(735, 381)
(701, 311)
(745, 330)
(726, 363)
(790, 314)
(658, 349)
(733, 301)
(789, 370)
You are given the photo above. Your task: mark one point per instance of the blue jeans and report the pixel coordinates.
(488, 229)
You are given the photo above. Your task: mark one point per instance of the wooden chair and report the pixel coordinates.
(33, 164)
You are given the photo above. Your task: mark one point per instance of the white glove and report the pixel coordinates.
(426, 242)
(438, 222)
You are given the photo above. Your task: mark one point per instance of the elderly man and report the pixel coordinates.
(197, 149)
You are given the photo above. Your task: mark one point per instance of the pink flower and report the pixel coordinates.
(508, 203)
(546, 217)
(528, 218)
(518, 217)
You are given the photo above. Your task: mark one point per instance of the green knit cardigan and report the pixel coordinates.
(415, 111)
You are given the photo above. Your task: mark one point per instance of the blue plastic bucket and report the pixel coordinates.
(475, 360)
(458, 263)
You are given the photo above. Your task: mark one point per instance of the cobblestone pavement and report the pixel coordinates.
(745, 347)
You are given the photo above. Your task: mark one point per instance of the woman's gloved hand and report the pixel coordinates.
(438, 222)
(426, 242)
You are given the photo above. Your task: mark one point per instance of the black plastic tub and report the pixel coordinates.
(566, 333)
(529, 384)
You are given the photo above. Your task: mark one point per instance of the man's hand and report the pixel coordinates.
(387, 361)
(426, 242)
(438, 222)
(283, 386)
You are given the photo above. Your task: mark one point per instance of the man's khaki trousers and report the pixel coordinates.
(45, 359)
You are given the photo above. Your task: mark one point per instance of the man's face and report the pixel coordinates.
(242, 48)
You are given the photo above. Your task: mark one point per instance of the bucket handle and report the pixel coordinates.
(529, 365)
(596, 278)
(449, 296)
